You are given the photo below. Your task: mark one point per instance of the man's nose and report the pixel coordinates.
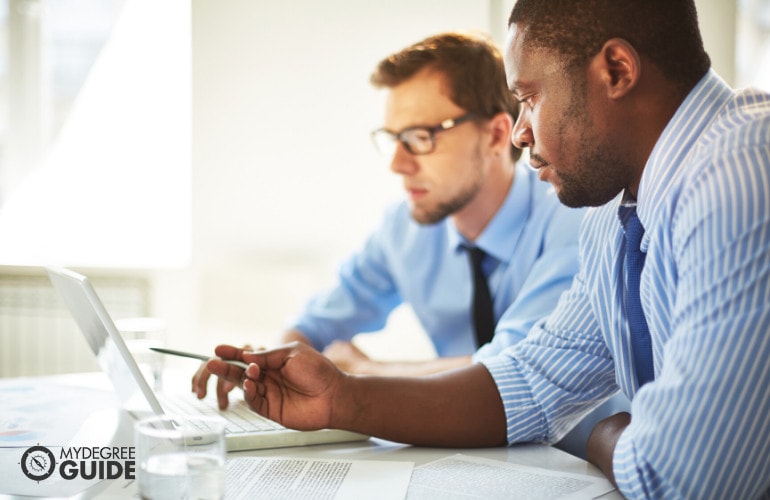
(521, 135)
(403, 161)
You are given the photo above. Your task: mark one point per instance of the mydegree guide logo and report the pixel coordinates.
(39, 462)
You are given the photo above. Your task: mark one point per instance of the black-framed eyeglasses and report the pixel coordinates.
(416, 140)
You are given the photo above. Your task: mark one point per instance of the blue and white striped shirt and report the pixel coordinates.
(702, 428)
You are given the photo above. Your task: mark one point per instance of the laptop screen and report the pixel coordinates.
(105, 341)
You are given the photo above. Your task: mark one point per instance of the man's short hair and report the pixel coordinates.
(473, 68)
(665, 31)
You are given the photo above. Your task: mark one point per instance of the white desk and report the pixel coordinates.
(94, 419)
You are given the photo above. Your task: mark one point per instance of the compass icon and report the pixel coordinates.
(38, 463)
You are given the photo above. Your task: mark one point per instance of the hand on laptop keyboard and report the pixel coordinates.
(200, 384)
(294, 385)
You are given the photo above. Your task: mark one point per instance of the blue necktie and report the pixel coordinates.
(640, 334)
(483, 311)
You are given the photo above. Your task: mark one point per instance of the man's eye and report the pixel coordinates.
(421, 135)
(527, 101)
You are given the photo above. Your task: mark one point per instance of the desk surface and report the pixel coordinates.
(94, 418)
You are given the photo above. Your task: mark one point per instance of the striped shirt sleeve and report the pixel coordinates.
(558, 374)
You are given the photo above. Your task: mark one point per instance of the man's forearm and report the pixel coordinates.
(460, 408)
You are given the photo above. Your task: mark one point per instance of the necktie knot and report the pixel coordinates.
(634, 231)
(477, 257)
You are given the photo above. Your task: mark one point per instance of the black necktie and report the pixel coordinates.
(483, 312)
(640, 333)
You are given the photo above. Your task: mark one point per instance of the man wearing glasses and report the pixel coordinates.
(448, 122)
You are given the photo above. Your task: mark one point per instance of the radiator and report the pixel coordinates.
(37, 333)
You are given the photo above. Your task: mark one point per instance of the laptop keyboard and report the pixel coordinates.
(238, 416)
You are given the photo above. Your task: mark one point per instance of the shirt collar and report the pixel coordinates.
(505, 228)
(625, 207)
(675, 144)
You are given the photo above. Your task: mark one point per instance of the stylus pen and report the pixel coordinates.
(239, 364)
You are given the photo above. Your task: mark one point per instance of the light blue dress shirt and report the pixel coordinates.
(701, 429)
(532, 256)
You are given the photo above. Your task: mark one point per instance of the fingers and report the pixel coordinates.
(254, 373)
(223, 388)
(252, 396)
(231, 352)
(228, 378)
(253, 379)
(271, 359)
(230, 373)
(201, 377)
(254, 390)
(200, 380)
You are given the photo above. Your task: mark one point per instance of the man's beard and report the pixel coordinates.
(599, 172)
(456, 203)
(602, 176)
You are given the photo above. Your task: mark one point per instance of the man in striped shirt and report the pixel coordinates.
(620, 110)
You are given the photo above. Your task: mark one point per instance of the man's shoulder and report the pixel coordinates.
(743, 122)
(731, 159)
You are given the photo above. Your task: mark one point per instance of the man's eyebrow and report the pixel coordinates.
(515, 88)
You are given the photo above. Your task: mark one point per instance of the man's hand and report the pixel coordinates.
(294, 385)
(200, 384)
(348, 357)
(602, 441)
(300, 388)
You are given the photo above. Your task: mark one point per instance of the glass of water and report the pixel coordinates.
(180, 457)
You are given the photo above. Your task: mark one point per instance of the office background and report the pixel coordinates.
(209, 163)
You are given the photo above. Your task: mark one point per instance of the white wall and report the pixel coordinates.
(717, 19)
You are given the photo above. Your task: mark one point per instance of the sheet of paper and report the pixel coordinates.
(50, 415)
(465, 477)
(301, 478)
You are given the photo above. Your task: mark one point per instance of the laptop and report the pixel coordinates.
(245, 429)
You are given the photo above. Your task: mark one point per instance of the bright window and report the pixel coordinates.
(95, 145)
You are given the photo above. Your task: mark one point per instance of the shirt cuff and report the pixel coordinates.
(525, 420)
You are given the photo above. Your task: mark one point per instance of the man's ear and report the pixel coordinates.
(620, 67)
(501, 126)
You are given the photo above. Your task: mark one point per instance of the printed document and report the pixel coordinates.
(315, 479)
(465, 477)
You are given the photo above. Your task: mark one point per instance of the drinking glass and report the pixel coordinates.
(180, 457)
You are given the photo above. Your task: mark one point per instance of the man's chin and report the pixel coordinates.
(580, 200)
(426, 218)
